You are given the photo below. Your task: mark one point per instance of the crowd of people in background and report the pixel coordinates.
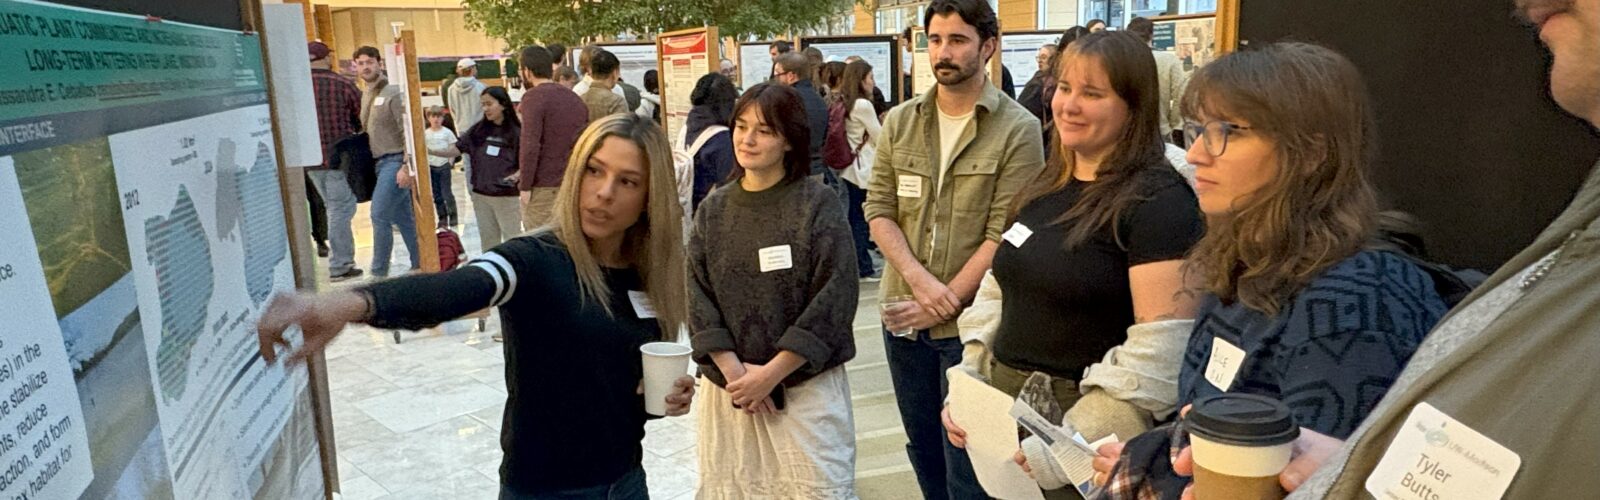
(1116, 229)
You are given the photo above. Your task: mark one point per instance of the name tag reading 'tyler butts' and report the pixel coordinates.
(1435, 457)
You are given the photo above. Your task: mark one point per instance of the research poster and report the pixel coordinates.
(755, 64)
(1193, 39)
(879, 53)
(921, 69)
(142, 159)
(1020, 53)
(684, 59)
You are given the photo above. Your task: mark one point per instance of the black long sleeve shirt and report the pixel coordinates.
(573, 417)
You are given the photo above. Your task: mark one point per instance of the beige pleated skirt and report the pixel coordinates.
(807, 452)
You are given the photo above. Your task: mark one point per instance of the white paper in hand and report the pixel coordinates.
(992, 441)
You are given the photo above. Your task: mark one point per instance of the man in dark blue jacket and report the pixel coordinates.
(795, 70)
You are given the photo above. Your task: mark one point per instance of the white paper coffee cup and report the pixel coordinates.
(664, 363)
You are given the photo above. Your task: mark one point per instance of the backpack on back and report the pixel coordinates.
(836, 151)
(683, 168)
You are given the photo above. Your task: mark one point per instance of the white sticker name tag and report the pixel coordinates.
(641, 304)
(1435, 457)
(1018, 234)
(377, 101)
(492, 150)
(910, 186)
(776, 258)
(1224, 364)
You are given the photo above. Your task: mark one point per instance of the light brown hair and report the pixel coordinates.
(1320, 208)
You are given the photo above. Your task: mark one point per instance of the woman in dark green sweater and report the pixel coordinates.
(772, 299)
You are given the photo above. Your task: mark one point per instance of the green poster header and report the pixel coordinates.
(59, 59)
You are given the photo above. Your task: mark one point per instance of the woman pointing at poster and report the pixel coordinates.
(577, 299)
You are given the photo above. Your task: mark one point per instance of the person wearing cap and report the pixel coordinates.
(338, 117)
(465, 107)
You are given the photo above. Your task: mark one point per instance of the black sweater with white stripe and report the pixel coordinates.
(573, 417)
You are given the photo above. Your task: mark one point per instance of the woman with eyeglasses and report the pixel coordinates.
(1300, 295)
(1090, 274)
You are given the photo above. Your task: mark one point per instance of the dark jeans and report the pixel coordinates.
(319, 213)
(444, 198)
(630, 486)
(917, 367)
(858, 228)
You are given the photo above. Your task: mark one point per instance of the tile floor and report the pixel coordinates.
(421, 419)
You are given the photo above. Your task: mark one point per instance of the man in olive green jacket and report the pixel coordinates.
(1501, 399)
(948, 165)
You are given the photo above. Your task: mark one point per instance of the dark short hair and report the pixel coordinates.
(369, 51)
(567, 73)
(558, 53)
(716, 93)
(781, 107)
(536, 60)
(905, 34)
(783, 46)
(973, 12)
(797, 63)
(1145, 28)
(604, 64)
(652, 82)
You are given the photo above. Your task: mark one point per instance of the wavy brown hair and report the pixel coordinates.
(1320, 208)
(1131, 68)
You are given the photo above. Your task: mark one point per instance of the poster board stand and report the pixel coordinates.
(422, 188)
(881, 51)
(683, 57)
(1018, 50)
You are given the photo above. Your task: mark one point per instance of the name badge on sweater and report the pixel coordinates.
(776, 258)
(492, 150)
(1018, 234)
(910, 186)
(1224, 364)
(1435, 457)
(377, 101)
(641, 304)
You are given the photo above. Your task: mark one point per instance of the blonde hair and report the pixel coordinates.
(653, 246)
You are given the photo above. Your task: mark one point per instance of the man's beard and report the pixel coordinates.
(959, 76)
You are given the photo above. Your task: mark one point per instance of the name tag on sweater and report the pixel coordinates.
(1435, 457)
(493, 150)
(641, 304)
(776, 258)
(910, 186)
(377, 101)
(1224, 365)
(1018, 234)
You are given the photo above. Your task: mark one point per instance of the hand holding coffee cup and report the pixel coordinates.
(1239, 444)
(666, 364)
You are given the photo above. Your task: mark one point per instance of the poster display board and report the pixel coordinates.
(882, 52)
(921, 69)
(145, 231)
(636, 59)
(1019, 51)
(755, 63)
(1192, 38)
(685, 57)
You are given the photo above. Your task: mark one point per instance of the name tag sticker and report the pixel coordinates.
(776, 258)
(1018, 234)
(1224, 364)
(377, 101)
(1435, 457)
(493, 151)
(910, 186)
(641, 304)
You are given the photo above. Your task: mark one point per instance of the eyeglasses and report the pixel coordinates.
(1215, 133)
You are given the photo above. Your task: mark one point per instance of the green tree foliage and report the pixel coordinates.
(521, 22)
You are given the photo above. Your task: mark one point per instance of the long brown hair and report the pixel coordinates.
(1320, 208)
(849, 89)
(1131, 68)
(653, 246)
